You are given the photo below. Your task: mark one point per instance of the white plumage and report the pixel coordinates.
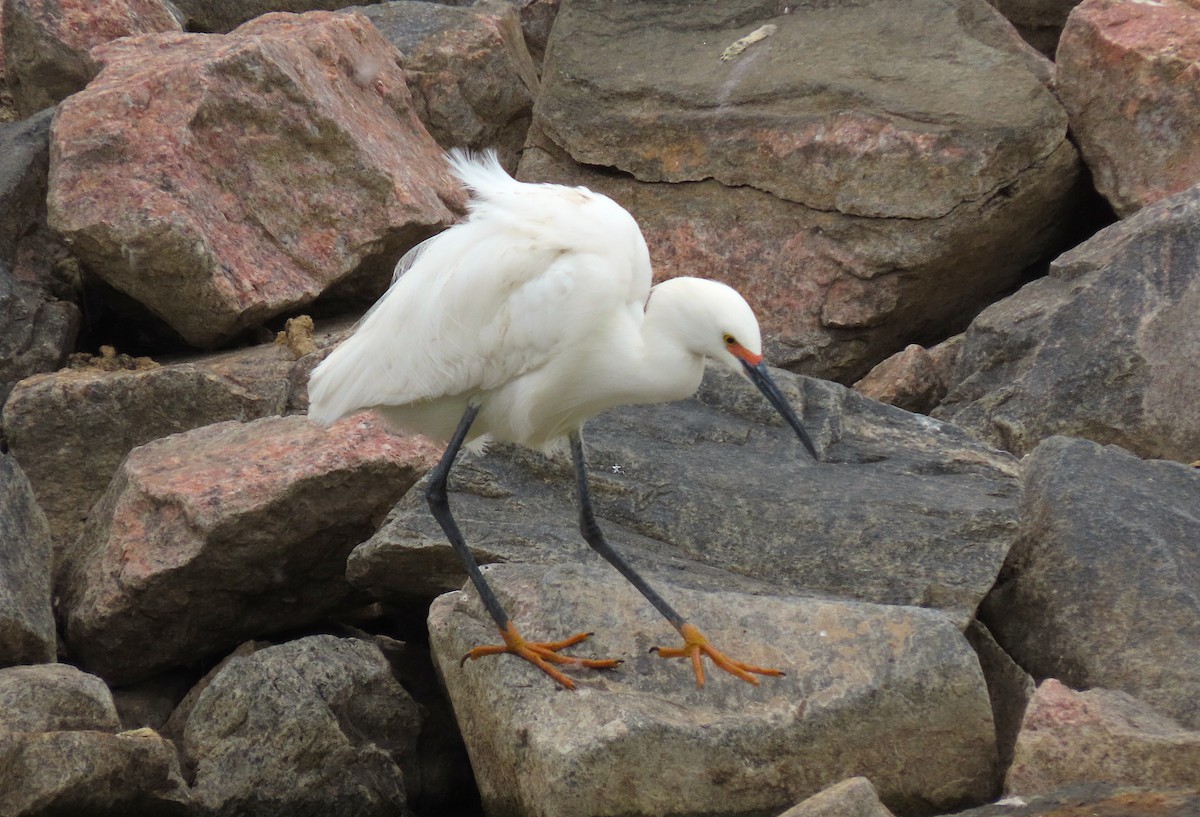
(539, 308)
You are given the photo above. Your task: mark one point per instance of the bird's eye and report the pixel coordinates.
(728, 338)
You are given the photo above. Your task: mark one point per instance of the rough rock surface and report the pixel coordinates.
(296, 728)
(54, 698)
(1128, 73)
(1040, 22)
(222, 180)
(911, 379)
(469, 70)
(1103, 348)
(46, 42)
(1009, 686)
(1099, 735)
(27, 633)
(1102, 587)
(206, 538)
(70, 429)
(843, 200)
(1097, 800)
(893, 689)
(38, 320)
(903, 510)
(853, 797)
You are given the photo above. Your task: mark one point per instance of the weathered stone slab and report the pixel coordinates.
(904, 509)
(896, 690)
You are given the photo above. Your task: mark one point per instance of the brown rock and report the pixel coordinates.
(1128, 74)
(70, 429)
(844, 202)
(221, 16)
(46, 42)
(1039, 22)
(209, 537)
(90, 773)
(1101, 736)
(221, 180)
(54, 698)
(1096, 800)
(910, 380)
(469, 70)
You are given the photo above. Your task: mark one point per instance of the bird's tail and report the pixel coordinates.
(482, 173)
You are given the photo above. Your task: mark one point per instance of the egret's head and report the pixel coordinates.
(718, 323)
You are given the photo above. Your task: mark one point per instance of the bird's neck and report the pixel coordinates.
(668, 369)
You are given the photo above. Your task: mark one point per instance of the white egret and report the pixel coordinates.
(519, 324)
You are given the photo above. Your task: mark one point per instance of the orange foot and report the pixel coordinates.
(541, 654)
(695, 644)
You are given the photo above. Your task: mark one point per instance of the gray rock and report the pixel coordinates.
(26, 620)
(90, 773)
(1102, 588)
(225, 532)
(54, 698)
(315, 726)
(1009, 687)
(893, 689)
(1103, 348)
(1099, 735)
(858, 209)
(904, 509)
(853, 797)
(470, 73)
(38, 318)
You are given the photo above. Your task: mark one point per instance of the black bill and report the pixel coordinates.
(760, 377)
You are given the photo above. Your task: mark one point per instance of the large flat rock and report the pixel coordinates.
(894, 692)
(903, 509)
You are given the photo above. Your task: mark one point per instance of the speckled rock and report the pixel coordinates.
(70, 429)
(54, 698)
(314, 726)
(853, 797)
(261, 168)
(1099, 734)
(468, 69)
(27, 632)
(229, 531)
(1103, 348)
(857, 209)
(46, 42)
(1102, 587)
(1128, 73)
(893, 689)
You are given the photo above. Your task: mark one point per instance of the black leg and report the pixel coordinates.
(595, 538)
(439, 504)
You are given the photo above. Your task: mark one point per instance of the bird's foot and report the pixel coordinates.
(542, 654)
(695, 645)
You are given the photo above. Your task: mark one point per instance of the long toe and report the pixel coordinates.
(696, 646)
(542, 654)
